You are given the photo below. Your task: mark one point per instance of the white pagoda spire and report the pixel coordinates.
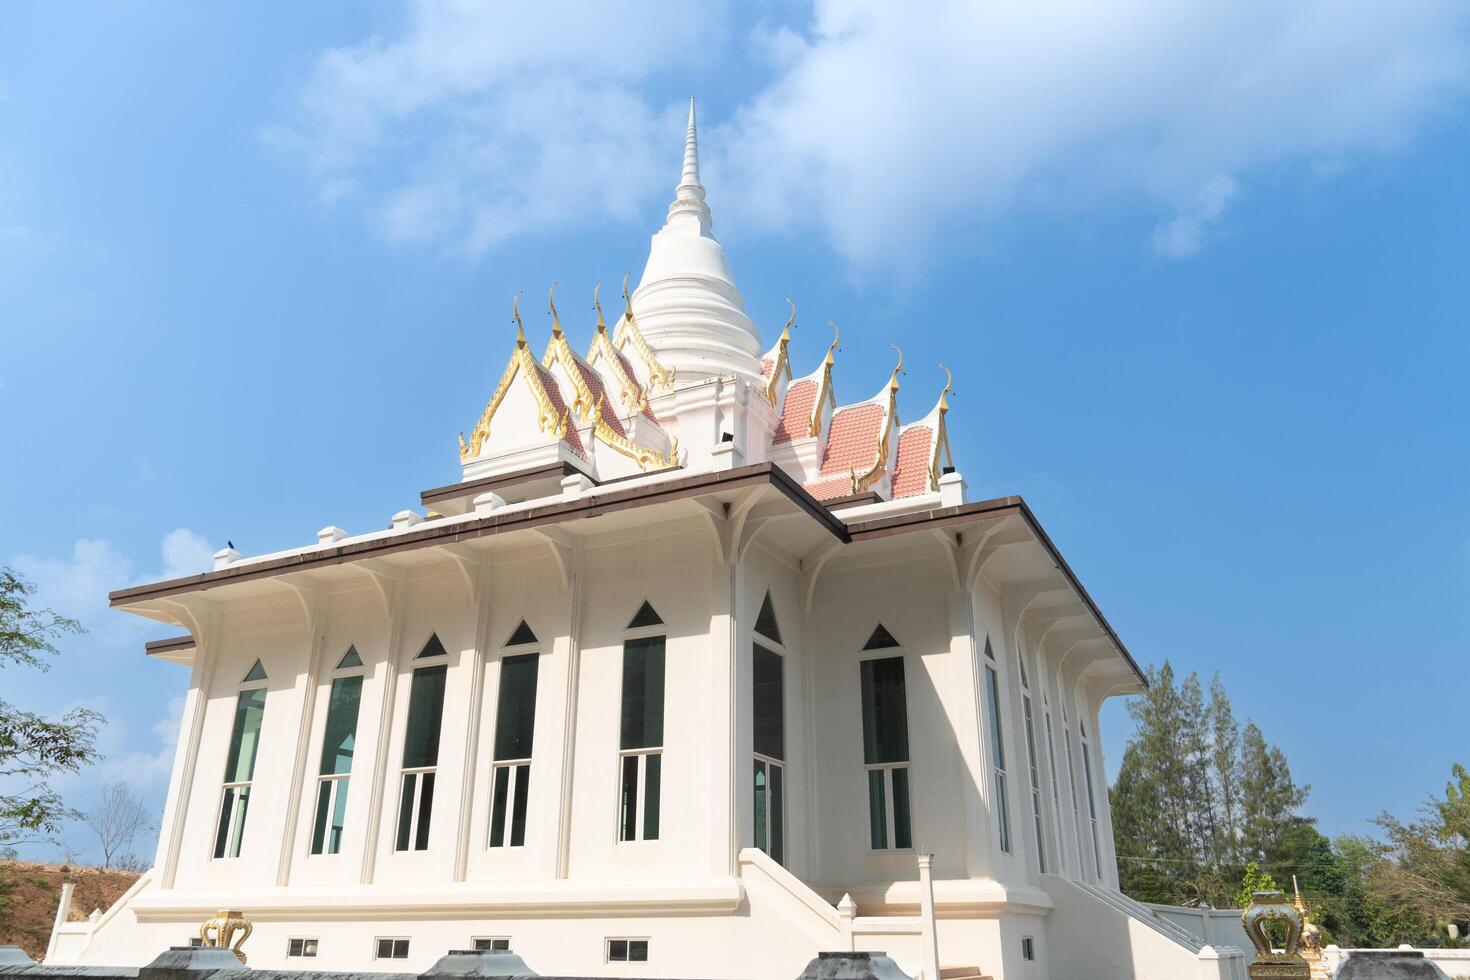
(690, 189)
(688, 308)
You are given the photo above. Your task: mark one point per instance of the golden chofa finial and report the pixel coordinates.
(597, 305)
(627, 300)
(948, 387)
(833, 347)
(898, 369)
(551, 304)
(515, 311)
(791, 322)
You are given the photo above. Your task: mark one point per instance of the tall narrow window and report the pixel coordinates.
(768, 707)
(641, 741)
(886, 754)
(1091, 801)
(1035, 782)
(421, 752)
(1056, 792)
(515, 726)
(1072, 784)
(998, 755)
(335, 769)
(240, 768)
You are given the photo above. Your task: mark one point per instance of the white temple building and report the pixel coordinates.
(702, 667)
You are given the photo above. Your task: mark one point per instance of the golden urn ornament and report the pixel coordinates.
(1273, 906)
(225, 925)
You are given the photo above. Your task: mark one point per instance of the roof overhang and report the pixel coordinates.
(999, 540)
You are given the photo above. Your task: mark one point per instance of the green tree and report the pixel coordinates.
(1252, 881)
(1196, 798)
(33, 748)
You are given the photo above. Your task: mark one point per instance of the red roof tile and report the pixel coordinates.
(593, 381)
(553, 392)
(633, 379)
(796, 413)
(911, 472)
(852, 439)
(766, 365)
(831, 488)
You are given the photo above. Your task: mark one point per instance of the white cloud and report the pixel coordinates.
(77, 585)
(886, 127)
(486, 121)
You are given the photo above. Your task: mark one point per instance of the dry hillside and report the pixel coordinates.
(29, 892)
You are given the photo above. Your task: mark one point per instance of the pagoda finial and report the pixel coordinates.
(551, 303)
(515, 311)
(601, 323)
(689, 186)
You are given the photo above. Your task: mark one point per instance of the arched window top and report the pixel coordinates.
(256, 672)
(645, 617)
(521, 636)
(349, 659)
(881, 639)
(765, 623)
(433, 648)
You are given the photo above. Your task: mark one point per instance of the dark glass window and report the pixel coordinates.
(349, 659)
(425, 712)
(645, 616)
(515, 711)
(392, 949)
(433, 648)
(257, 672)
(521, 636)
(880, 640)
(336, 764)
(885, 715)
(498, 944)
(627, 950)
(643, 693)
(765, 623)
(245, 736)
(768, 702)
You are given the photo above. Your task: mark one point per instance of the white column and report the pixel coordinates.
(929, 937)
(306, 685)
(723, 664)
(63, 913)
(392, 591)
(205, 628)
(575, 572)
(478, 580)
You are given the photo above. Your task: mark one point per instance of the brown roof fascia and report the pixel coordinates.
(999, 507)
(168, 645)
(437, 532)
(454, 491)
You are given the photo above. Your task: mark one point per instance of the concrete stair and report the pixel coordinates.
(962, 973)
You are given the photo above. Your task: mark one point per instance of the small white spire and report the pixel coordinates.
(690, 189)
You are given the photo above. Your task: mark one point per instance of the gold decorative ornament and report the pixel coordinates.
(825, 394)
(632, 395)
(223, 926)
(551, 307)
(1270, 964)
(941, 436)
(1311, 948)
(589, 406)
(549, 418)
(628, 333)
(782, 364)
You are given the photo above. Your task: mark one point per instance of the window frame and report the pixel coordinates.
(303, 940)
(775, 807)
(231, 837)
(339, 781)
(642, 753)
(421, 774)
(475, 942)
(887, 768)
(393, 950)
(607, 942)
(516, 769)
(1087, 778)
(1001, 808)
(1033, 760)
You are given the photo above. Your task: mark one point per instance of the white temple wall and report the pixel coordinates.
(850, 603)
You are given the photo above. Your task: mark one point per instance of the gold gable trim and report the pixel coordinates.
(782, 364)
(588, 407)
(628, 333)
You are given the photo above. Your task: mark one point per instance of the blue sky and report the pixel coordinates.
(1199, 270)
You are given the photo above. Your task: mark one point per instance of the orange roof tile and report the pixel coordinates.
(911, 472)
(796, 414)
